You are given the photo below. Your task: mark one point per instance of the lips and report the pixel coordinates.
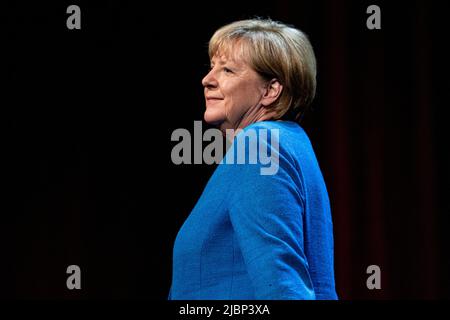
(212, 101)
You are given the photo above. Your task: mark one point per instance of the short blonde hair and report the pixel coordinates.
(273, 50)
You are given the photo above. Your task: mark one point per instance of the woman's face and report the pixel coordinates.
(233, 93)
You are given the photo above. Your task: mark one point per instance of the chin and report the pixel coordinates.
(213, 118)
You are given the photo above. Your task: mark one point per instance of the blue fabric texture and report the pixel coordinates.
(255, 236)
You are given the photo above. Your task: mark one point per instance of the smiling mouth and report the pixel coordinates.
(211, 101)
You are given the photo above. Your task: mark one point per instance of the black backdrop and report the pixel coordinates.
(87, 117)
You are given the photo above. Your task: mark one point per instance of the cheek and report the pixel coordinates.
(235, 94)
(242, 97)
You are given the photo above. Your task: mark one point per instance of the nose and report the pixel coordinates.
(210, 81)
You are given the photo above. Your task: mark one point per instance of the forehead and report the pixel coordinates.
(231, 50)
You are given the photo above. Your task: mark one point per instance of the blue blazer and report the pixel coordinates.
(259, 236)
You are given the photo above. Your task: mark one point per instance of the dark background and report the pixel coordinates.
(87, 117)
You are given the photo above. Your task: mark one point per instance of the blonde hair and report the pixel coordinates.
(273, 50)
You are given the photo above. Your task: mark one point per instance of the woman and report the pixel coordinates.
(254, 235)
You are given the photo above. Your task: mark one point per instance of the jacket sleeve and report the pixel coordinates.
(266, 212)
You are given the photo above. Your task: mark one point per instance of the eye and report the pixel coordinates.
(227, 70)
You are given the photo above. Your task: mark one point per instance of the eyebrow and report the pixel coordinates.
(221, 61)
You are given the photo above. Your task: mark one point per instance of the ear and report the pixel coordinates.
(272, 92)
